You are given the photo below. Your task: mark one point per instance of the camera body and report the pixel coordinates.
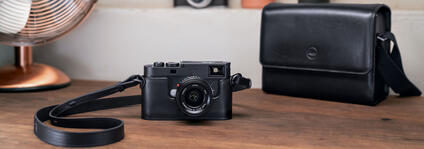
(189, 90)
(200, 3)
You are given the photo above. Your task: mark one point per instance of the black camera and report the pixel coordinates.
(200, 3)
(190, 90)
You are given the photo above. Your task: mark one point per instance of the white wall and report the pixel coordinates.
(116, 42)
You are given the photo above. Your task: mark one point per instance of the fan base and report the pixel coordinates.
(35, 77)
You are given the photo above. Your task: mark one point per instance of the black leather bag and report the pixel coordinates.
(338, 52)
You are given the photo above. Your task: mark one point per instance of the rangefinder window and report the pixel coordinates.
(216, 70)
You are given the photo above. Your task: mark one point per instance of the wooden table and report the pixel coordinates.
(259, 121)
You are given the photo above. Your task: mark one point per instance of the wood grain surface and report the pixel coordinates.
(259, 121)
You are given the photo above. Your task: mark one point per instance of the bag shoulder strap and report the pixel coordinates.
(390, 66)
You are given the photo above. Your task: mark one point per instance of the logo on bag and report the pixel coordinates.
(312, 53)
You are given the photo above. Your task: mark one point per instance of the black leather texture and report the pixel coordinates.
(324, 51)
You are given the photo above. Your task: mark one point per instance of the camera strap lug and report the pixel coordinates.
(238, 82)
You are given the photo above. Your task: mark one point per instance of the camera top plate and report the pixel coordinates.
(202, 69)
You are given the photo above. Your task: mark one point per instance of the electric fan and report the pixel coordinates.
(27, 23)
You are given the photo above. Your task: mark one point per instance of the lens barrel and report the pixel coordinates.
(193, 96)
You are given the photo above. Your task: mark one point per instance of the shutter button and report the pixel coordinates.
(158, 64)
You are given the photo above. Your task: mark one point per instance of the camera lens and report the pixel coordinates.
(193, 96)
(199, 3)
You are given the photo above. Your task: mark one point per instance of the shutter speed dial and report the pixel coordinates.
(172, 64)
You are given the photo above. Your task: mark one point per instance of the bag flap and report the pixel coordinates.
(319, 37)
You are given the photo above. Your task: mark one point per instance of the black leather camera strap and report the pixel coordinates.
(390, 66)
(112, 130)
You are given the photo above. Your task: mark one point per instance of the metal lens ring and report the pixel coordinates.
(194, 97)
(199, 3)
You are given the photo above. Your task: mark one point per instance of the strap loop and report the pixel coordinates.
(390, 66)
(238, 82)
